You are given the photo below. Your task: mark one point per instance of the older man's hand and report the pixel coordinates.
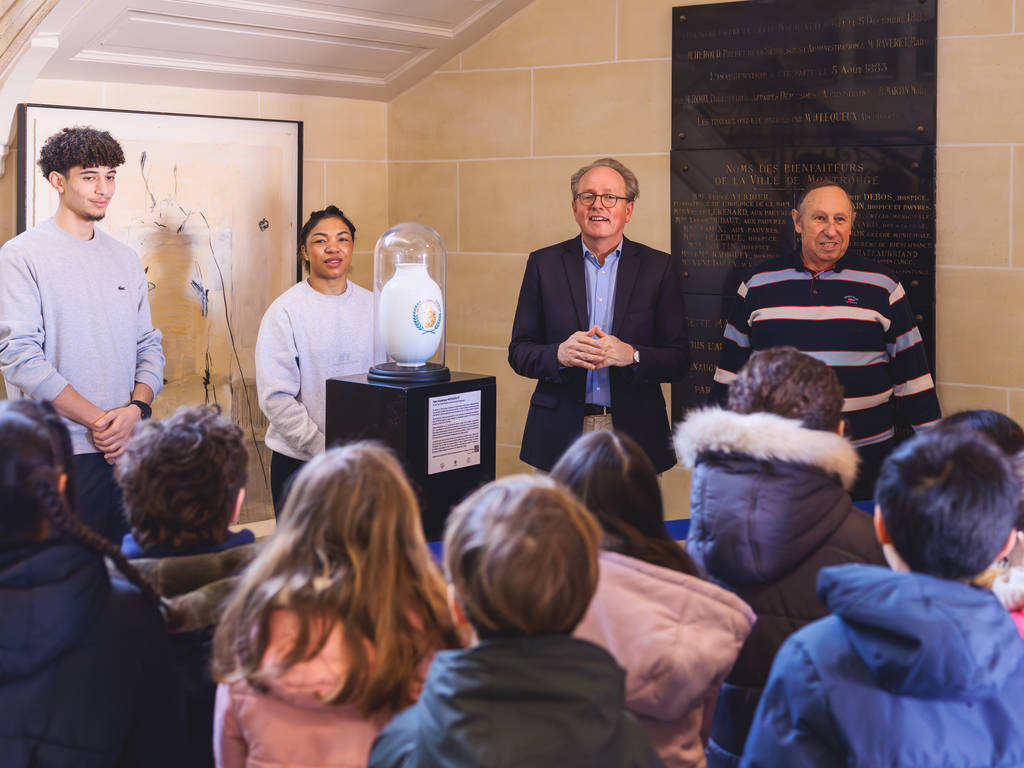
(581, 350)
(615, 351)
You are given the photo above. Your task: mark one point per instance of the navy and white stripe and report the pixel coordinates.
(856, 318)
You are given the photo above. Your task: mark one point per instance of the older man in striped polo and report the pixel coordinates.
(848, 312)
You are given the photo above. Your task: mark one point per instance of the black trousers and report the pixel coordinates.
(282, 470)
(98, 500)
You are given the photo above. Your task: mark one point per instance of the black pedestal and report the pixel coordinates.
(399, 414)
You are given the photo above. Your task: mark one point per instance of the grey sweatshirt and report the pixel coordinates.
(305, 338)
(75, 312)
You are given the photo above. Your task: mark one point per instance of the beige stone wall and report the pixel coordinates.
(980, 293)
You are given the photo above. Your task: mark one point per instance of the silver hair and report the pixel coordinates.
(632, 185)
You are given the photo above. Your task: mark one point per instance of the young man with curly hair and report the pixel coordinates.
(75, 326)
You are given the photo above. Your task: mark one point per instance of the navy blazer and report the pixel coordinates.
(648, 315)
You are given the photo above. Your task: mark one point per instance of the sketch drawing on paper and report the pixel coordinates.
(210, 205)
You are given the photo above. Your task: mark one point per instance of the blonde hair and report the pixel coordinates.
(521, 554)
(349, 548)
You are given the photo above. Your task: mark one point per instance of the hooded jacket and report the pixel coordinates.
(291, 724)
(677, 637)
(910, 670)
(769, 508)
(195, 587)
(86, 671)
(546, 701)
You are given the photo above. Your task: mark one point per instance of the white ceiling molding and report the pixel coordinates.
(368, 49)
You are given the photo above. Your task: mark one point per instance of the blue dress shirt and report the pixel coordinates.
(600, 308)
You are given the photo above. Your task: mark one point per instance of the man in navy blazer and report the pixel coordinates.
(600, 325)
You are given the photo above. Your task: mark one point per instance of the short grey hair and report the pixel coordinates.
(632, 185)
(801, 202)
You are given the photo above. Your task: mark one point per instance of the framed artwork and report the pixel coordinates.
(212, 207)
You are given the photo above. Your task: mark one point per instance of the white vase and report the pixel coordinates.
(411, 315)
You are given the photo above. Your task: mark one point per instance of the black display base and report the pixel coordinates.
(393, 372)
(397, 413)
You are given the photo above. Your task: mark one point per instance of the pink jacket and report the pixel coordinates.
(291, 725)
(677, 638)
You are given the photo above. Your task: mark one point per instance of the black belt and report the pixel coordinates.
(589, 409)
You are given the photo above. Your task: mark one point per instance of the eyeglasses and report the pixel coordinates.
(608, 201)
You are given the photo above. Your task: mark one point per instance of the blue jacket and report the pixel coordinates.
(909, 670)
(87, 678)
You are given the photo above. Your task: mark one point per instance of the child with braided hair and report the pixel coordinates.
(86, 672)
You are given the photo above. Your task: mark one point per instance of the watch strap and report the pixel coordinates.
(147, 411)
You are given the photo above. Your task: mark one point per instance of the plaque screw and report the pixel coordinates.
(920, 129)
(915, 165)
(686, 274)
(682, 18)
(919, 318)
(684, 167)
(681, 135)
(914, 283)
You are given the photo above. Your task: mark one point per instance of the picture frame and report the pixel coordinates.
(212, 205)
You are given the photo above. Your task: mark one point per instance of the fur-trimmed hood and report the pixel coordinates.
(766, 437)
(766, 495)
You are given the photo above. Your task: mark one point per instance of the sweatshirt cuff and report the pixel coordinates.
(151, 380)
(48, 389)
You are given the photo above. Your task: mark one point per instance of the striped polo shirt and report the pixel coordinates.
(855, 318)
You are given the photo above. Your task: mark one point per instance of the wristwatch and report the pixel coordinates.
(636, 356)
(147, 411)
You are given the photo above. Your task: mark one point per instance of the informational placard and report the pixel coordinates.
(766, 72)
(453, 432)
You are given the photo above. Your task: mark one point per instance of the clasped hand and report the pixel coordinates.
(594, 349)
(110, 432)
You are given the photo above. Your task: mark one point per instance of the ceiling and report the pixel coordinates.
(366, 49)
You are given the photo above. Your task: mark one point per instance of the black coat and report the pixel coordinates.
(768, 509)
(648, 315)
(534, 702)
(87, 677)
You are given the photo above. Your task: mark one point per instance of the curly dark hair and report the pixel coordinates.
(181, 477)
(80, 145)
(786, 382)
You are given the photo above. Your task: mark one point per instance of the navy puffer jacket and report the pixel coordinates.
(87, 677)
(769, 508)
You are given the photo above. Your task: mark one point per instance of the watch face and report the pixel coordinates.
(636, 355)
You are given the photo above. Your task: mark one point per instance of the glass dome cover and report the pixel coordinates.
(409, 264)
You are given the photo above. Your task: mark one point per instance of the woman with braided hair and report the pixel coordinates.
(86, 672)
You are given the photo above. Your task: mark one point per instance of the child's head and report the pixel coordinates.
(786, 382)
(348, 548)
(35, 460)
(182, 478)
(33, 468)
(617, 482)
(521, 555)
(997, 427)
(948, 500)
